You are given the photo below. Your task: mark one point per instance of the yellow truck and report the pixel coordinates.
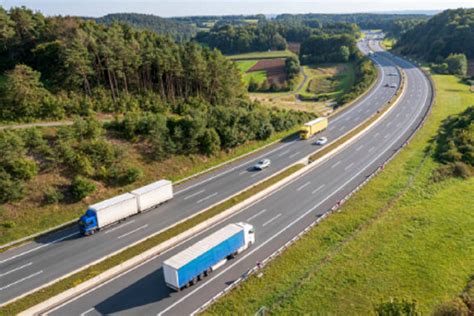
(313, 127)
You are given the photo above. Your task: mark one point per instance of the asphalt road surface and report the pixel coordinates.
(278, 217)
(27, 267)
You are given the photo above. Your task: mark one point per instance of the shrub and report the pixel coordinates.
(462, 170)
(81, 188)
(122, 175)
(455, 307)
(23, 168)
(8, 224)
(10, 190)
(396, 307)
(52, 195)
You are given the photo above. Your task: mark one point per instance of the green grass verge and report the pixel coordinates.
(400, 236)
(82, 276)
(33, 222)
(262, 55)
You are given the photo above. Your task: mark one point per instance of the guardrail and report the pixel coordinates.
(336, 208)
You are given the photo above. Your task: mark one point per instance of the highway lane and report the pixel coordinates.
(37, 263)
(277, 218)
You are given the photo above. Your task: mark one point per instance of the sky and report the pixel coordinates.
(167, 8)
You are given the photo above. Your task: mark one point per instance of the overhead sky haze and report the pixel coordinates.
(167, 8)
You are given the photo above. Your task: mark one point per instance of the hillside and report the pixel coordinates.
(451, 31)
(177, 30)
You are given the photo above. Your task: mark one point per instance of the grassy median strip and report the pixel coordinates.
(359, 128)
(82, 276)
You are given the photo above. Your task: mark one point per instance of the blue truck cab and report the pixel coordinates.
(88, 223)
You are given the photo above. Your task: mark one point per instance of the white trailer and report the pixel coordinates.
(195, 262)
(153, 194)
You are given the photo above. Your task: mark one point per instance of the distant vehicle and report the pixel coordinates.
(196, 262)
(321, 141)
(393, 74)
(125, 205)
(315, 126)
(393, 86)
(262, 164)
(386, 85)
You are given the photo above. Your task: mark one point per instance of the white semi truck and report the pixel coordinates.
(120, 207)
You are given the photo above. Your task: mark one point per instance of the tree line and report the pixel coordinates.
(267, 35)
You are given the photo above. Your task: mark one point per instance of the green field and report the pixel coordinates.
(401, 236)
(262, 55)
(244, 65)
(332, 81)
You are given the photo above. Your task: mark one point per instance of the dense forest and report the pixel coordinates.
(177, 30)
(58, 65)
(450, 32)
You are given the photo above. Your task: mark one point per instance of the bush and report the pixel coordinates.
(81, 188)
(455, 307)
(397, 308)
(122, 175)
(23, 168)
(52, 195)
(8, 224)
(461, 170)
(10, 190)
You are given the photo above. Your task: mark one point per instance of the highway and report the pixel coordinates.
(25, 268)
(278, 217)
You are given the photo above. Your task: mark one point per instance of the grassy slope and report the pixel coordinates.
(31, 217)
(260, 55)
(387, 242)
(345, 80)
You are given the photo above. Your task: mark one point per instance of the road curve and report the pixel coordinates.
(30, 266)
(276, 218)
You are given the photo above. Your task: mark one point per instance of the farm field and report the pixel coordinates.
(244, 66)
(402, 236)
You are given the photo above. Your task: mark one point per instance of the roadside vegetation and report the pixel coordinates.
(403, 241)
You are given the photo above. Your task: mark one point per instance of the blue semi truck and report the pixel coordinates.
(194, 263)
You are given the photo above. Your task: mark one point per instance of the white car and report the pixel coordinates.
(393, 86)
(262, 164)
(321, 141)
(393, 74)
